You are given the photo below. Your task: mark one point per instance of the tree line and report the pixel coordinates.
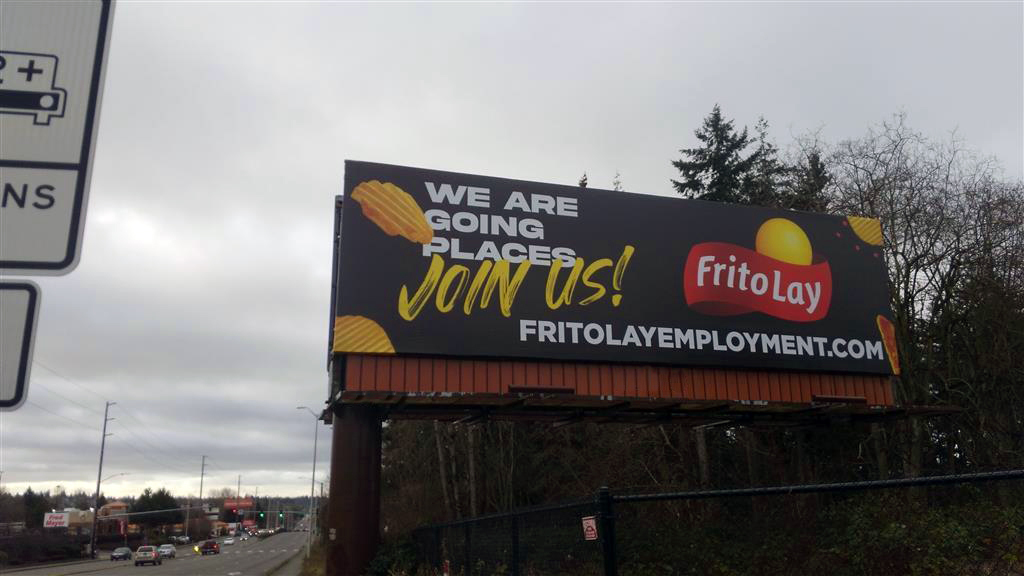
(954, 247)
(155, 509)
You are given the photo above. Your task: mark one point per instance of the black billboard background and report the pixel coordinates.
(374, 266)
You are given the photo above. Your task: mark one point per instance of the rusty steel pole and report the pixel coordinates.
(353, 511)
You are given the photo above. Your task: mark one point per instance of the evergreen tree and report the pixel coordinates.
(762, 185)
(716, 170)
(161, 500)
(806, 190)
(617, 182)
(583, 180)
(36, 504)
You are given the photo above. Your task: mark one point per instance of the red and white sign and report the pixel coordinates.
(56, 520)
(724, 279)
(238, 503)
(590, 527)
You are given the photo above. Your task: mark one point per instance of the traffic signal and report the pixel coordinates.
(261, 514)
(280, 514)
(234, 510)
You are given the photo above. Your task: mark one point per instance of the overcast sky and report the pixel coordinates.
(201, 301)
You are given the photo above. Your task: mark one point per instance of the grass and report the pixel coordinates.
(316, 563)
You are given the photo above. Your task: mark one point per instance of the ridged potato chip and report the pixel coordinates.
(360, 334)
(888, 332)
(393, 210)
(867, 229)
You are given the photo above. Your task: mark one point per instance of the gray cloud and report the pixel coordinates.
(200, 304)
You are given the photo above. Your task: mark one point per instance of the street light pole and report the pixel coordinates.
(312, 481)
(99, 478)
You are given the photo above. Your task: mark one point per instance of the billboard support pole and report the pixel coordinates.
(353, 511)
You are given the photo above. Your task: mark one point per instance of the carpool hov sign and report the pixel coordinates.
(19, 310)
(52, 61)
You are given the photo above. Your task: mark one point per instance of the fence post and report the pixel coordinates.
(607, 523)
(515, 546)
(467, 569)
(438, 548)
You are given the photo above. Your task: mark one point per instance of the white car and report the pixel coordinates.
(167, 551)
(229, 541)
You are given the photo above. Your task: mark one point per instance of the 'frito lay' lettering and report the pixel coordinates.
(725, 279)
(740, 277)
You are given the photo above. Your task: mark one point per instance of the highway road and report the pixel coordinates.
(254, 557)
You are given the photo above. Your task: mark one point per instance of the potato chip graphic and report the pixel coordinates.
(867, 229)
(393, 210)
(888, 332)
(360, 334)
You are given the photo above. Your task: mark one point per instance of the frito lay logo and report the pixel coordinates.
(779, 278)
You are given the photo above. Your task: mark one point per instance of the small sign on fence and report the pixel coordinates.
(590, 527)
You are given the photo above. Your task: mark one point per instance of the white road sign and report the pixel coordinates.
(56, 520)
(52, 60)
(19, 309)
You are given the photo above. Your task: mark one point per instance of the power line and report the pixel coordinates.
(79, 404)
(66, 379)
(123, 409)
(151, 459)
(143, 440)
(48, 411)
(153, 435)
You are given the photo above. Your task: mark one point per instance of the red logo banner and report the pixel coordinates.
(723, 279)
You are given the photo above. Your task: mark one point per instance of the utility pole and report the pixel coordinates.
(99, 476)
(202, 472)
(238, 502)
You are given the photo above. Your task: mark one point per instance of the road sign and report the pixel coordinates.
(19, 309)
(589, 527)
(56, 520)
(52, 61)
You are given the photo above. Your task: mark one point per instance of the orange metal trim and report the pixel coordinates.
(399, 374)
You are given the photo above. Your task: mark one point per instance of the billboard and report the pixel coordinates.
(56, 520)
(238, 502)
(449, 264)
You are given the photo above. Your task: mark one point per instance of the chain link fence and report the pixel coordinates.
(546, 540)
(965, 524)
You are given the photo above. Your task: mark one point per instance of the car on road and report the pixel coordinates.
(121, 554)
(181, 539)
(229, 541)
(147, 555)
(209, 547)
(167, 551)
